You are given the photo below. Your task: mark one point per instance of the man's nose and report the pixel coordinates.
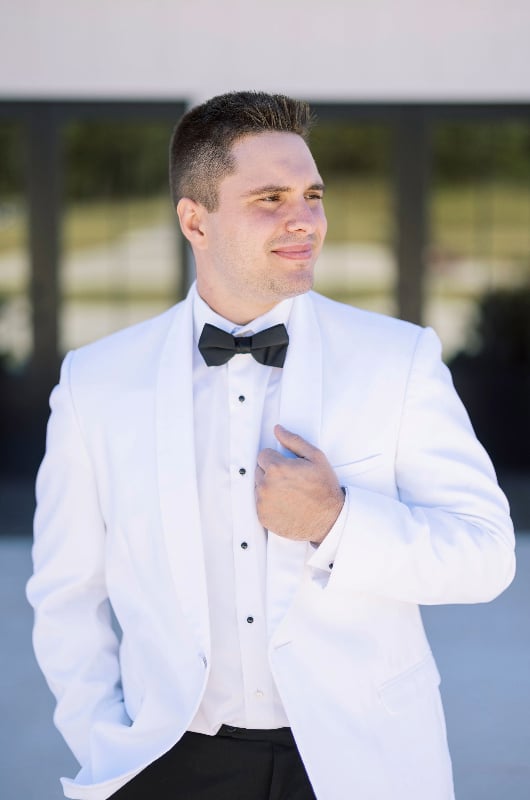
(301, 218)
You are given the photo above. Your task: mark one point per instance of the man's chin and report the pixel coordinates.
(295, 286)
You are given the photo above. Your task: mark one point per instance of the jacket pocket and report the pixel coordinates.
(353, 468)
(399, 692)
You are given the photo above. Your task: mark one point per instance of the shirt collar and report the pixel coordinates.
(202, 314)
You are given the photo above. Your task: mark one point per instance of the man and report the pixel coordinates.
(262, 485)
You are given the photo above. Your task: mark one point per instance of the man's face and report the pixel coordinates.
(261, 244)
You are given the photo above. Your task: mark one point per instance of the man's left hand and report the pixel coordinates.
(299, 498)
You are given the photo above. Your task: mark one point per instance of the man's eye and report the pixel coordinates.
(314, 196)
(271, 198)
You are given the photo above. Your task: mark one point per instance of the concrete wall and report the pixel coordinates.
(343, 50)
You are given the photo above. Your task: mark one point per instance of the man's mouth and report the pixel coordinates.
(294, 252)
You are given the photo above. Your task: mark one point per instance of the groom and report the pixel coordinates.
(260, 486)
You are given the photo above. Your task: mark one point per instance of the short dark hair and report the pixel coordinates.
(200, 150)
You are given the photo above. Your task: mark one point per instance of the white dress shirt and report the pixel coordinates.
(236, 406)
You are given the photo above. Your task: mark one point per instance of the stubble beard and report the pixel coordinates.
(290, 286)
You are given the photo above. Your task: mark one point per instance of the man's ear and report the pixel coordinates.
(192, 217)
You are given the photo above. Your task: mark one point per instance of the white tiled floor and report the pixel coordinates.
(483, 653)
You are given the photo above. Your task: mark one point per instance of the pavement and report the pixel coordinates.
(483, 652)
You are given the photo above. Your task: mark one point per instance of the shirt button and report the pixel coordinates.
(241, 398)
(250, 620)
(244, 545)
(330, 565)
(242, 471)
(259, 694)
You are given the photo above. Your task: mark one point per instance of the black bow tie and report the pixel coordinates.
(269, 347)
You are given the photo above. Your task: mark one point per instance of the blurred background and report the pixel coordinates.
(424, 144)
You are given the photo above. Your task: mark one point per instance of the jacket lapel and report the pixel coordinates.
(177, 481)
(301, 413)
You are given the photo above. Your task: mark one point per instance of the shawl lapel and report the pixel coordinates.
(301, 413)
(177, 480)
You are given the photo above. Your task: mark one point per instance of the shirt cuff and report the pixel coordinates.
(325, 552)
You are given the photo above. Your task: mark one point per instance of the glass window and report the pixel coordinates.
(15, 309)
(480, 223)
(479, 277)
(357, 265)
(120, 255)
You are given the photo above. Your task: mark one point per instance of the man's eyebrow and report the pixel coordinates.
(273, 188)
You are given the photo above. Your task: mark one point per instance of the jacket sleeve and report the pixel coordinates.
(74, 640)
(447, 536)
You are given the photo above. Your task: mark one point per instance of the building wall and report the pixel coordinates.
(343, 50)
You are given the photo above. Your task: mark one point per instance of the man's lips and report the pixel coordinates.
(294, 252)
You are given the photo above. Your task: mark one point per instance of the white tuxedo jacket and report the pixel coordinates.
(118, 527)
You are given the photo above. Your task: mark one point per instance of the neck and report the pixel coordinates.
(230, 309)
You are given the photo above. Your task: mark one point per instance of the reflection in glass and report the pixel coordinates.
(120, 260)
(480, 222)
(15, 310)
(357, 264)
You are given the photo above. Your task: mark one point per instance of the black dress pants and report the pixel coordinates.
(237, 764)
